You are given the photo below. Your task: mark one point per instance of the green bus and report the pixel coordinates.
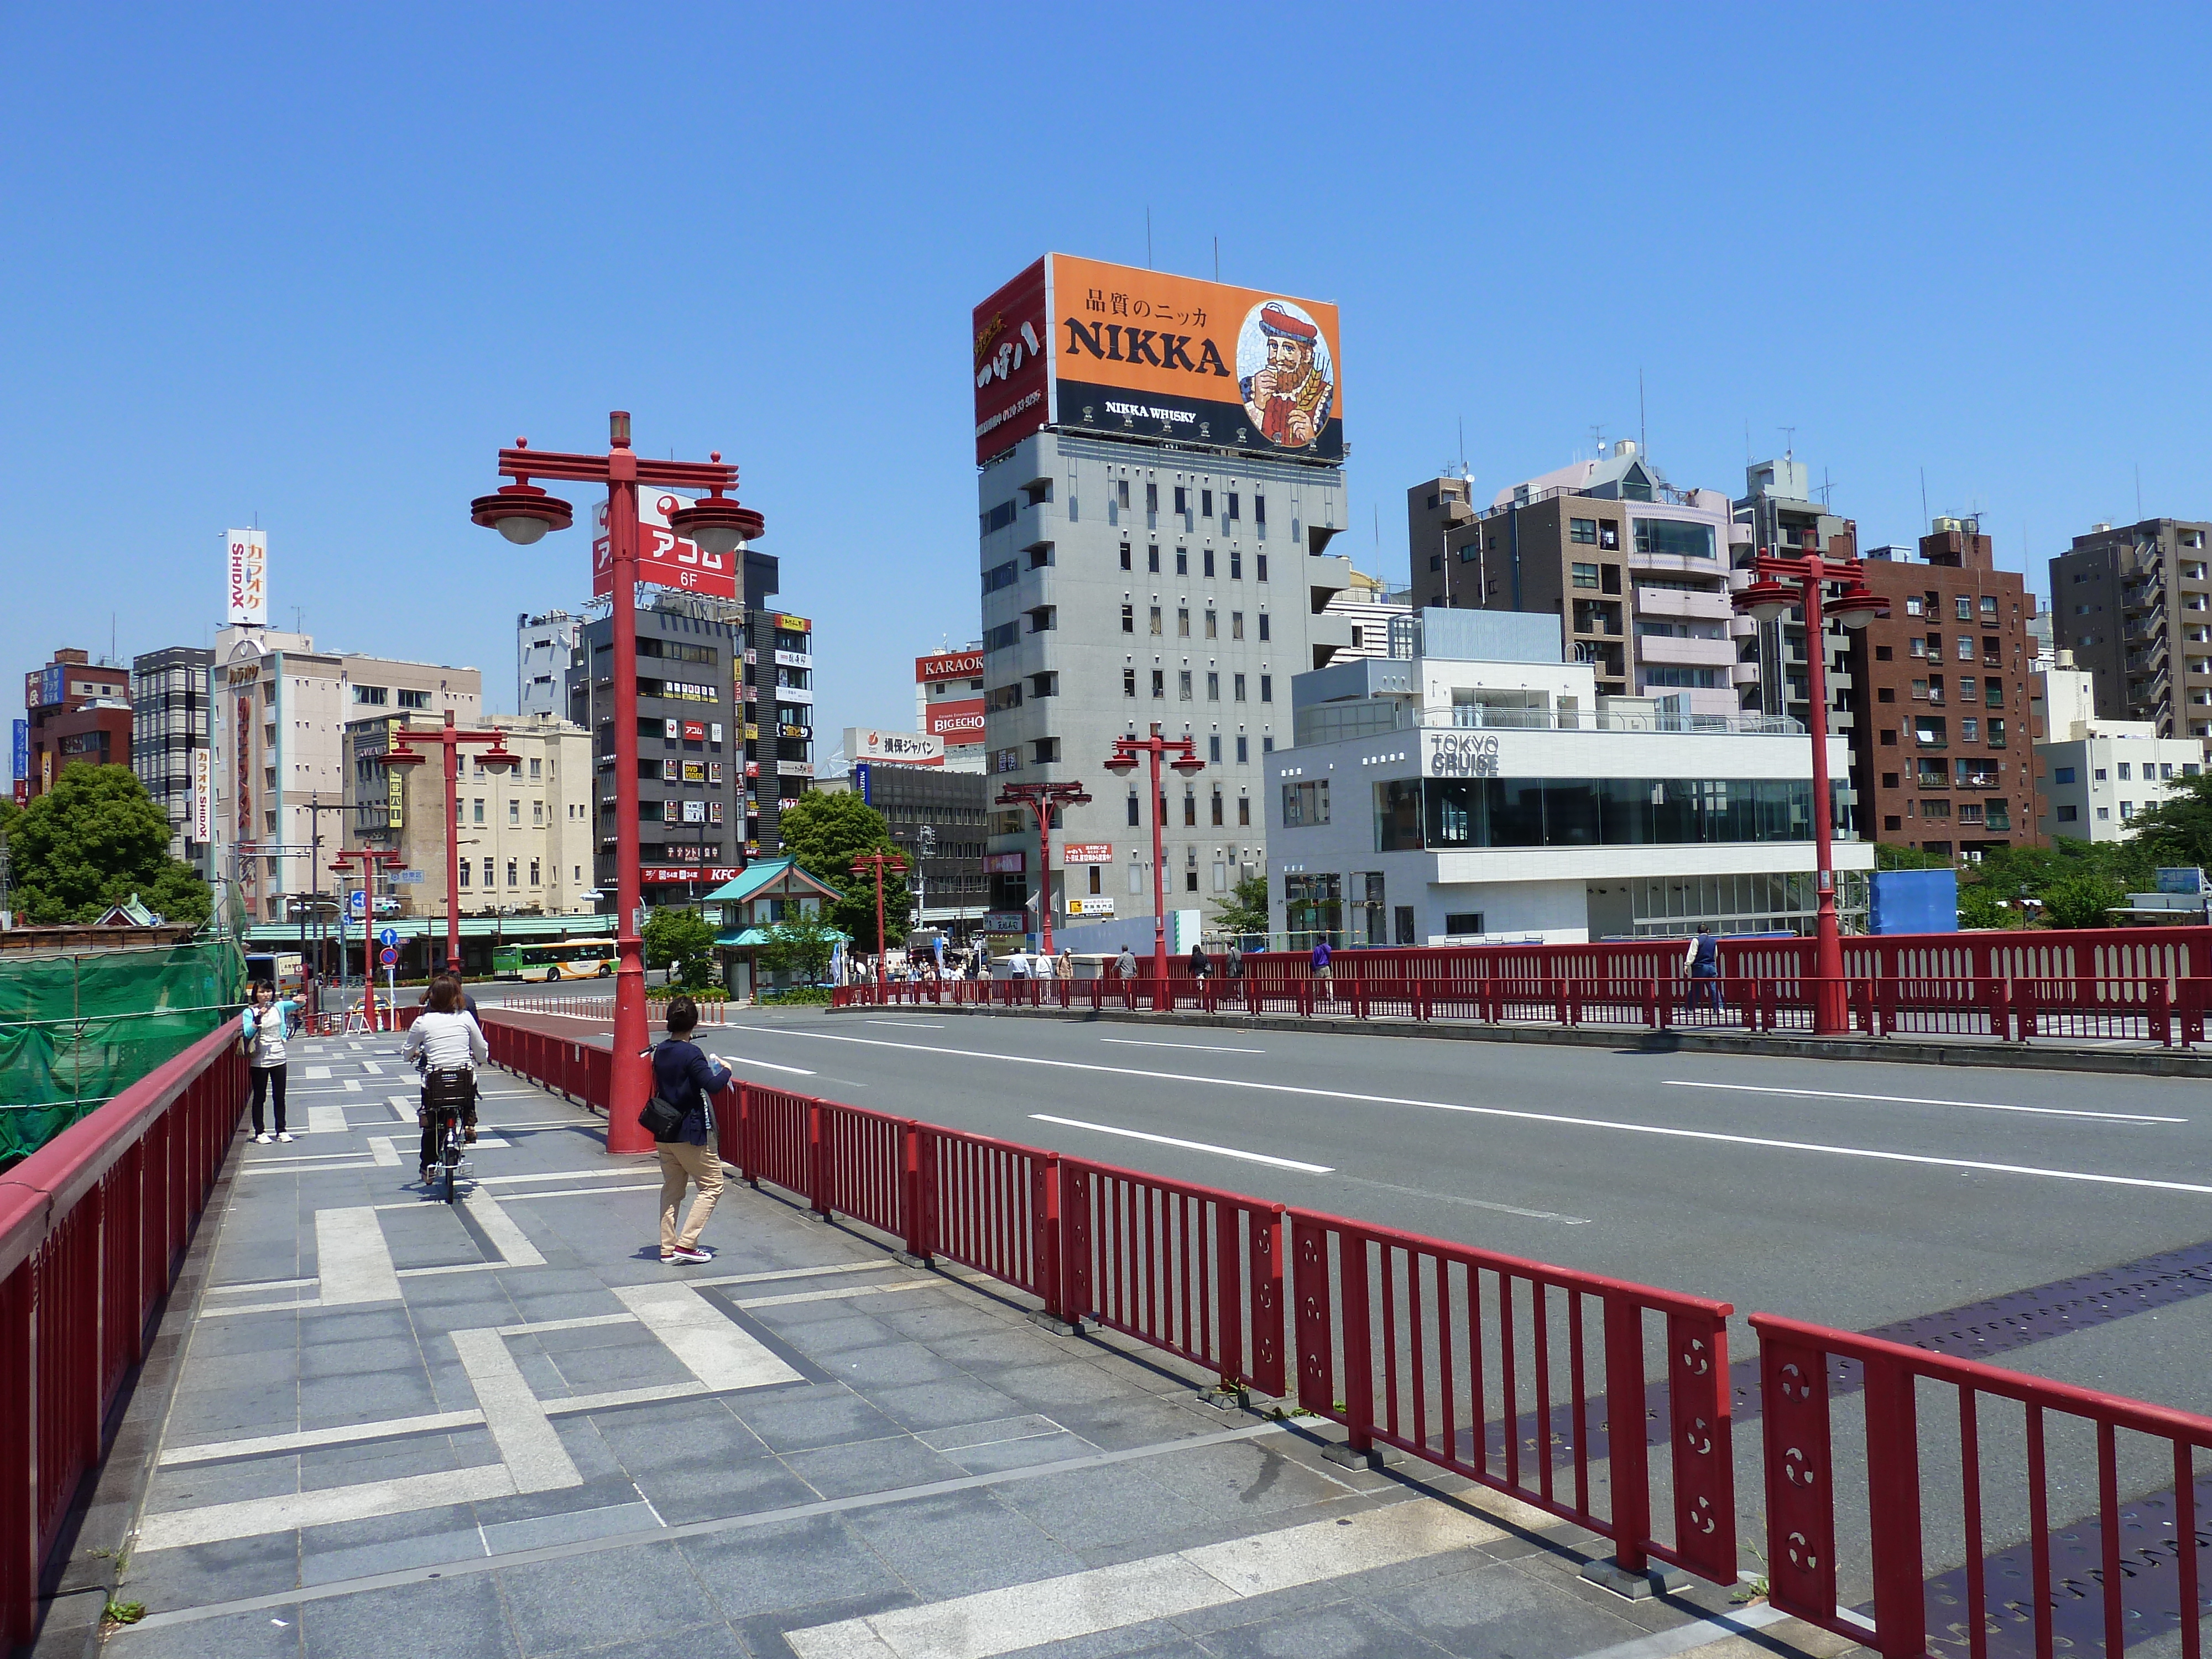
(572, 959)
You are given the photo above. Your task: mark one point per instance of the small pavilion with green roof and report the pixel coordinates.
(761, 895)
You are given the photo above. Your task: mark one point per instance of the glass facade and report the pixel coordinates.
(1453, 814)
(1688, 541)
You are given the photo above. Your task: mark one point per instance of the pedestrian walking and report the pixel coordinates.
(263, 1025)
(1703, 959)
(448, 1045)
(1125, 965)
(1320, 971)
(1063, 965)
(687, 1077)
(1201, 966)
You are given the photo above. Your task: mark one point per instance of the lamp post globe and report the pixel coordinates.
(719, 525)
(1858, 606)
(522, 513)
(1765, 600)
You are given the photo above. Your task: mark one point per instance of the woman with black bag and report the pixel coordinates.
(450, 1045)
(681, 1116)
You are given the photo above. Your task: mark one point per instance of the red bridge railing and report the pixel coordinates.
(93, 1229)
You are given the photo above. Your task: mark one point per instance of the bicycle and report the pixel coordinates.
(444, 1120)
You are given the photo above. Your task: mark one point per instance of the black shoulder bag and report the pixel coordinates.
(661, 1119)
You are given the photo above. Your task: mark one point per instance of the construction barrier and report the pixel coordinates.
(93, 1229)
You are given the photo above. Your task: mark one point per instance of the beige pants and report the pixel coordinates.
(680, 1162)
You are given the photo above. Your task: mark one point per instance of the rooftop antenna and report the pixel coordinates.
(1597, 442)
(1924, 519)
(1642, 447)
(1747, 440)
(1825, 488)
(1463, 472)
(1789, 442)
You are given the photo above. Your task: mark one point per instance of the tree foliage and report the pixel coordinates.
(94, 839)
(825, 833)
(2177, 829)
(1244, 912)
(2082, 900)
(801, 944)
(682, 942)
(1888, 857)
(1981, 905)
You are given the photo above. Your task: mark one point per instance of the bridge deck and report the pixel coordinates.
(504, 1427)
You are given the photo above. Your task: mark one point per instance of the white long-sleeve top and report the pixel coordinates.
(446, 1041)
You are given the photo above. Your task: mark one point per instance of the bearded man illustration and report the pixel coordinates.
(1289, 399)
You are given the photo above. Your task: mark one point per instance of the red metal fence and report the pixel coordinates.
(93, 1227)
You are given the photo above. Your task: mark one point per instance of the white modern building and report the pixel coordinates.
(1472, 788)
(2098, 774)
(544, 651)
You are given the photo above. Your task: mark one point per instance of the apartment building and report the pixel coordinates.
(1635, 570)
(278, 749)
(1776, 515)
(1369, 605)
(169, 702)
(2098, 774)
(77, 711)
(948, 703)
(544, 651)
(2134, 604)
(525, 835)
(1943, 754)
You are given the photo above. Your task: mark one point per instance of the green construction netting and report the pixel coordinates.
(77, 1029)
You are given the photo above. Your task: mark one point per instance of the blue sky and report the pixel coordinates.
(315, 264)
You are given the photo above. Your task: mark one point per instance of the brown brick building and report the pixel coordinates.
(78, 712)
(1943, 753)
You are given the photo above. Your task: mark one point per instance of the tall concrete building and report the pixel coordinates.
(1159, 475)
(2134, 604)
(1776, 516)
(1635, 570)
(948, 703)
(544, 651)
(169, 744)
(79, 711)
(1943, 753)
(2098, 774)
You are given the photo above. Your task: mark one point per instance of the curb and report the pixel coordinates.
(2156, 1062)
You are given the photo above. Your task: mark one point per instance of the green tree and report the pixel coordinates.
(2177, 828)
(825, 833)
(1887, 857)
(1981, 905)
(2082, 900)
(1244, 912)
(682, 942)
(93, 840)
(802, 944)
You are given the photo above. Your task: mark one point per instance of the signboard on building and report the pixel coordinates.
(664, 559)
(1459, 754)
(949, 665)
(694, 731)
(1088, 346)
(19, 750)
(791, 624)
(909, 748)
(717, 874)
(1005, 863)
(957, 721)
(202, 794)
(395, 800)
(794, 768)
(1006, 922)
(247, 553)
(1091, 852)
(1090, 904)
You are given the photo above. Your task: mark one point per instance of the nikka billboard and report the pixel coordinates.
(1093, 347)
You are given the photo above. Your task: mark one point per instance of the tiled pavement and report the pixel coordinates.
(504, 1428)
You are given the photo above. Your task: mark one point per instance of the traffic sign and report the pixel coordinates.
(389, 957)
(357, 904)
(388, 937)
(404, 878)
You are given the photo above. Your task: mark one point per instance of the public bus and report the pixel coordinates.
(573, 959)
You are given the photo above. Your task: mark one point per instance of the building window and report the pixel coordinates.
(478, 816)
(1965, 648)
(533, 872)
(1153, 559)
(1260, 567)
(1159, 682)
(1205, 503)
(1182, 685)
(1128, 619)
(1965, 602)
(1912, 606)
(1212, 620)
(1128, 682)
(1970, 731)
(1209, 562)
(1578, 530)
(413, 699)
(1245, 809)
(1216, 804)
(1183, 561)
(1213, 694)
(1882, 654)
(465, 872)
(514, 814)
(1886, 694)
(374, 696)
(2127, 810)
(1674, 537)
(1236, 564)
(1120, 492)
(1585, 575)
(1305, 804)
(1044, 750)
(1232, 504)
(2126, 772)
(1189, 810)
(1153, 627)
(1237, 624)
(1463, 924)
(2068, 814)
(1151, 498)
(2104, 814)
(1236, 687)
(1244, 750)
(1133, 808)
(1267, 688)
(2062, 775)
(487, 873)
(1125, 555)
(512, 880)
(1263, 626)
(1183, 622)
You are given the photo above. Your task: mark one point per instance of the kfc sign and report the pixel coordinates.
(664, 559)
(653, 874)
(249, 577)
(1137, 352)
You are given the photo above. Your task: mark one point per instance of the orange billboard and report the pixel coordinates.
(1145, 354)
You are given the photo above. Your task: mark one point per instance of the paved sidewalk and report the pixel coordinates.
(502, 1427)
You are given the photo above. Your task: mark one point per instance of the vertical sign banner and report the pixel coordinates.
(203, 795)
(395, 800)
(249, 577)
(664, 559)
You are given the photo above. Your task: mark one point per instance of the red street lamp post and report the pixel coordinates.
(879, 862)
(451, 738)
(1043, 799)
(1122, 763)
(523, 512)
(371, 859)
(1782, 584)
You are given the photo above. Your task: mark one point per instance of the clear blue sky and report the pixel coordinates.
(315, 263)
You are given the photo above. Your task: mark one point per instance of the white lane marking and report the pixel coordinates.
(248, 1287)
(351, 1258)
(579, 1192)
(583, 1323)
(842, 1291)
(212, 1523)
(269, 1166)
(631, 1173)
(765, 1064)
(1472, 1203)
(371, 1066)
(402, 1108)
(268, 1162)
(1203, 1047)
(787, 1272)
(1188, 1145)
(717, 1351)
(316, 1072)
(262, 1307)
(452, 1268)
(530, 1445)
(308, 1440)
(507, 1238)
(1022, 1616)
(381, 1149)
(1714, 1628)
(353, 1085)
(1920, 1100)
(326, 1120)
(2090, 1177)
(908, 1024)
(599, 1402)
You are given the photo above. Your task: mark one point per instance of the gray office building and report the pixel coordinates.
(1130, 584)
(168, 729)
(2133, 603)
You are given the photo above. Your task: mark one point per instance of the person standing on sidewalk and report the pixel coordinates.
(1320, 973)
(687, 1076)
(263, 1027)
(1703, 959)
(1125, 965)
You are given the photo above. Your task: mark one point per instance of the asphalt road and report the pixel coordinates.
(1854, 1194)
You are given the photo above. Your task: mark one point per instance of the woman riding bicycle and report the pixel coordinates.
(450, 1045)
